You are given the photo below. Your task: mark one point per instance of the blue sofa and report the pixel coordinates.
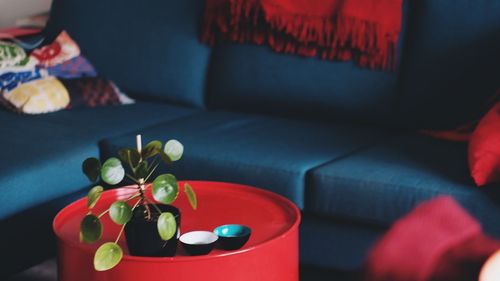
(338, 140)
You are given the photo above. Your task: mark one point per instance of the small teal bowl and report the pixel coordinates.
(232, 236)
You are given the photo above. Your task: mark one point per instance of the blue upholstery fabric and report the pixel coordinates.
(384, 182)
(352, 182)
(32, 232)
(330, 243)
(451, 63)
(42, 155)
(108, 121)
(149, 48)
(256, 79)
(271, 153)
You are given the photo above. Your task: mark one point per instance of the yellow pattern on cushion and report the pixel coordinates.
(39, 96)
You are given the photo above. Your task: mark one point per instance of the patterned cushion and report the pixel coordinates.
(31, 85)
(73, 68)
(92, 92)
(11, 54)
(39, 96)
(61, 50)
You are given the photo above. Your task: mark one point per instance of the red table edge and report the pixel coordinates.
(273, 195)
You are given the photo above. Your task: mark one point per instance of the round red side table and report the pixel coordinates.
(270, 254)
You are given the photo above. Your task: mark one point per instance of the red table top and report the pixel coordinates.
(267, 214)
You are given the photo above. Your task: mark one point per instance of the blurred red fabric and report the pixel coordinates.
(438, 240)
(484, 148)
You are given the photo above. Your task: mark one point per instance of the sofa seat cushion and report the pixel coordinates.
(110, 121)
(148, 48)
(271, 153)
(330, 243)
(384, 182)
(42, 155)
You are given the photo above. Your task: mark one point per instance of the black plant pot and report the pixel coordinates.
(142, 235)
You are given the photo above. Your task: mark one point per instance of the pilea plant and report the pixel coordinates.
(142, 163)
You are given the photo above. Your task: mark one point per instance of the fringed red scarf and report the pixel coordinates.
(365, 31)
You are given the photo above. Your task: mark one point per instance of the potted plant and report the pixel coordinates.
(151, 229)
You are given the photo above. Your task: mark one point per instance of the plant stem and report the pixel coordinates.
(103, 213)
(152, 171)
(148, 210)
(132, 178)
(123, 226)
(133, 196)
(138, 140)
(141, 192)
(144, 202)
(154, 161)
(121, 232)
(154, 205)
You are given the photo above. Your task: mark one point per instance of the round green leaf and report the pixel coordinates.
(165, 188)
(91, 167)
(94, 195)
(130, 156)
(151, 149)
(90, 229)
(191, 196)
(165, 157)
(174, 149)
(107, 256)
(120, 212)
(112, 171)
(167, 227)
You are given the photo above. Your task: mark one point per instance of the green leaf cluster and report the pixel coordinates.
(141, 165)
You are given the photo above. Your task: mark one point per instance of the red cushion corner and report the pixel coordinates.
(484, 149)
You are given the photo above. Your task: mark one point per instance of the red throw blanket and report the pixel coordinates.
(362, 30)
(438, 241)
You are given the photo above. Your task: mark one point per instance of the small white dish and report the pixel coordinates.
(198, 242)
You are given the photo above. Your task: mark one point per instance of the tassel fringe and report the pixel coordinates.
(340, 38)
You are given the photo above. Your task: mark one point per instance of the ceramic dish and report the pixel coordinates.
(232, 236)
(198, 242)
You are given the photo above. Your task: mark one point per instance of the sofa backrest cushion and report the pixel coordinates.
(254, 78)
(149, 48)
(451, 64)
